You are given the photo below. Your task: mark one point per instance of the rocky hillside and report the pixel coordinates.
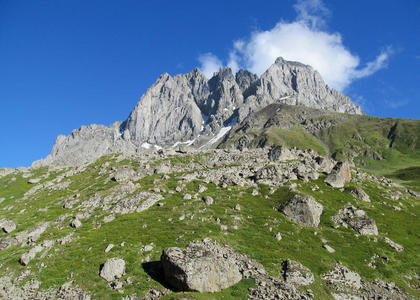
(385, 146)
(190, 109)
(265, 223)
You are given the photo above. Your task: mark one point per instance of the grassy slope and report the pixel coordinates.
(85, 254)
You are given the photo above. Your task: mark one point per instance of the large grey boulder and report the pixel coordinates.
(339, 175)
(113, 268)
(304, 210)
(195, 268)
(295, 273)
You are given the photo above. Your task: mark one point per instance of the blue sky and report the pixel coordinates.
(64, 64)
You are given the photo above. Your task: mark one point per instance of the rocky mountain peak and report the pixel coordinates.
(191, 109)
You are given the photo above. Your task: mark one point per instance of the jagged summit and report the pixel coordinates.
(191, 109)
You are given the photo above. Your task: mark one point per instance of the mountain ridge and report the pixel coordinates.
(191, 109)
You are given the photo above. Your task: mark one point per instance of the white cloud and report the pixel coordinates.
(305, 41)
(311, 12)
(209, 64)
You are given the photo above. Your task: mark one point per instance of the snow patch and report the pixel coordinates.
(204, 123)
(187, 143)
(221, 133)
(146, 145)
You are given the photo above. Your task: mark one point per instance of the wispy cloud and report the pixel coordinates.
(396, 103)
(304, 40)
(209, 64)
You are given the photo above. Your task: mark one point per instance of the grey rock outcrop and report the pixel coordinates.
(304, 210)
(196, 269)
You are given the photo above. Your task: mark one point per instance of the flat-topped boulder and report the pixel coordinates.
(197, 268)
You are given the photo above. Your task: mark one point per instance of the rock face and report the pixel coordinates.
(113, 268)
(190, 108)
(339, 175)
(196, 269)
(304, 210)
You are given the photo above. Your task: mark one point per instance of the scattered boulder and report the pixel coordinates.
(113, 268)
(208, 200)
(328, 248)
(304, 210)
(76, 223)
(357, 219)
(237, 207)
(339, 175)
(7, 225)
(34, 180)
(295, 273)
(280, 153)
(359, 193)
(278, 236)
(194, 268)
(202, 188)
(393, 245)
(341, 278)
(123, 173)
(30, 255)
(109, 247)
(187, 197)
(324, 164)
(364, 225)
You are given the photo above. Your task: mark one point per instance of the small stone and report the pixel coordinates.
(328, 248)
(187, 197)
(202, 188)
(109, 218)
(148, 248)
(182, 217)
(178, 189)
(278, 236)
(208, 200)
(254, 193)
(108, 248)
(76, 223)
(237, 207)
